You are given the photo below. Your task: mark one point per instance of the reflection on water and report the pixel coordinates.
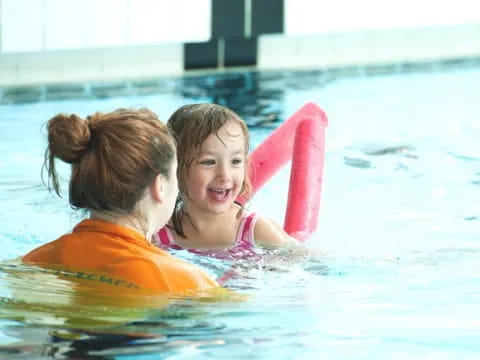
(149, 337)
(47, 314)
(247, 93)
(44, 314)
(290, 306)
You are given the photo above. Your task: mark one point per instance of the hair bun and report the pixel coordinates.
(68, 137)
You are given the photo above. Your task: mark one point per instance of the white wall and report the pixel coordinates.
(369, 47)
(322, 16)
(42, 25)
(38, 25)
(364, 32)
(54, 41)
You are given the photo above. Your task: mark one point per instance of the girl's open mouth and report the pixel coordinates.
(219, 194)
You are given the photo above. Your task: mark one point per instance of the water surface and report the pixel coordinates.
(399, 227)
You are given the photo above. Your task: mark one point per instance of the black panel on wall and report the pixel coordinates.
(240, 51)
(228, 18)
(201, 55)
(228, 23)
(267, 16)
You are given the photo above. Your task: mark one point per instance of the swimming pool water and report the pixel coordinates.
(399, 230)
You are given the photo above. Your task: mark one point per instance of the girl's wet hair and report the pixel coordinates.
(190, 125)
(114, 157)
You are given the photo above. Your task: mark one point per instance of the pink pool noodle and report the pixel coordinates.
(276, 150)
(306, 177)
(302, 139)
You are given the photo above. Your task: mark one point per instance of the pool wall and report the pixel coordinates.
(110, 40)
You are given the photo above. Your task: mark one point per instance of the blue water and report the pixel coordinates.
(396, 267)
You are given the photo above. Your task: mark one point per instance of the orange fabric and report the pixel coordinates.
(121, 252)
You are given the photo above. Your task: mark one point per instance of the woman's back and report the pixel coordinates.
(105, 248)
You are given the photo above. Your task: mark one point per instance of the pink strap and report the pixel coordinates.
(162, 237)
(246, 227)
(245, 234)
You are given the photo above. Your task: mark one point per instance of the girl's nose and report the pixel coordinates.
(224, 172)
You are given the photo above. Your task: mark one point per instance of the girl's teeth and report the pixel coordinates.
(219, 191)
(218, 194)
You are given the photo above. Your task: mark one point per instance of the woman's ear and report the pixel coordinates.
(157, 189)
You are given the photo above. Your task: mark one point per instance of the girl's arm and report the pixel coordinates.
(270, 235)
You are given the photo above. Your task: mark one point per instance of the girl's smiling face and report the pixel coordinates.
(215, 177)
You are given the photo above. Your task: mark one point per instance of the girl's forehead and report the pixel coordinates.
(229, 130)
(230, 135)
(231, 127)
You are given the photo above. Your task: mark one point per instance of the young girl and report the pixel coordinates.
(123, 167)
(212, 144)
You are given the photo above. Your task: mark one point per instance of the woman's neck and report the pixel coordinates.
(129, 221)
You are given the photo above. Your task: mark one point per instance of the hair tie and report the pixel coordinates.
(92, 121)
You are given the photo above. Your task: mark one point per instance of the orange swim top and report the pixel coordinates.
(101, 247)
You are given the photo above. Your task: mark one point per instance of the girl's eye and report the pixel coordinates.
(237, 161)
(207, 162)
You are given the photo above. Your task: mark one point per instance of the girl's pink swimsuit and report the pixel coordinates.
(242, 248)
